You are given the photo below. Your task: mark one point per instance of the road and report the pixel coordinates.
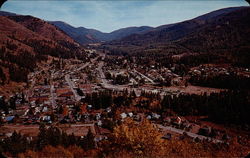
(193, 135)
(52, 95)
(104, 81)
(86, 64)
(106, 85)
(145, 77)
(72, 86)
(52, 92)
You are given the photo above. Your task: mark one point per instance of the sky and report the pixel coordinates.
(107, 15)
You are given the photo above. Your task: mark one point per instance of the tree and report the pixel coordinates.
(42, 135)
(2, 76)
(54, 136)
(15, 144)
(88, 141)
(141, 139)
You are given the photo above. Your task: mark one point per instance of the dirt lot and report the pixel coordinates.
(195, 89)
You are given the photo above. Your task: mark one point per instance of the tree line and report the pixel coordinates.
(51, 136)
(227, 107)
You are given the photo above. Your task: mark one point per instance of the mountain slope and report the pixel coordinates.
(45, 29)
(176, 31)
(81, 35)
(118, 34)
(25, 41)
(223, 33)
(84, 36)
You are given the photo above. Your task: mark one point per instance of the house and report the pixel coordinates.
(89, 107)
(108, 110)
(46, 118)
(99, 123)
(45, 109)
(149, 117)
(99, 138)
(10, 119)
(130, 114)
(98, 116)
(167, 136)
(178, 120)
(156, 116)
(123, 115)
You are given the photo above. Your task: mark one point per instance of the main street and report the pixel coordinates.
(72, 84)
(52, 91)
(72, 87)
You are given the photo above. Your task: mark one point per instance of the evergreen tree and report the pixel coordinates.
(89, 142)
(42, 137)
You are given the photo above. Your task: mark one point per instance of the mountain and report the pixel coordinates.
(84, 36)
(118, 34)
(25, 41)
(224, 32)
(3, 13)
(80, 34)
(176, 31)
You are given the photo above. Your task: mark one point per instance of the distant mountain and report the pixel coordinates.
(176, 31)
(26, 40)
(224, 32)
(43, 28)
(80, 34)
(84, 36)
(118, 34)
(3, 13)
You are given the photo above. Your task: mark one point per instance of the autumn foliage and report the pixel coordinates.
(133, 139)
(59, 151)
(143, 139)
(138, 138)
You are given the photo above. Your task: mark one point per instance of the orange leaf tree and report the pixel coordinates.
(142, 139)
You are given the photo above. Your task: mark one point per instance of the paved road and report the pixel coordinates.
(145, 77)
(52, 92)
(52, 95)
(104, 81)
(193, 135)
(71, 86)
(86, 64)
(106, 85)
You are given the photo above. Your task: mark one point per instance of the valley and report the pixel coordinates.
(183, 84)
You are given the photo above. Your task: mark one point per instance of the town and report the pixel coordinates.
(77, 96)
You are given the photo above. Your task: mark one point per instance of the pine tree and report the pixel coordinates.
(89, 142)
(42, 137)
